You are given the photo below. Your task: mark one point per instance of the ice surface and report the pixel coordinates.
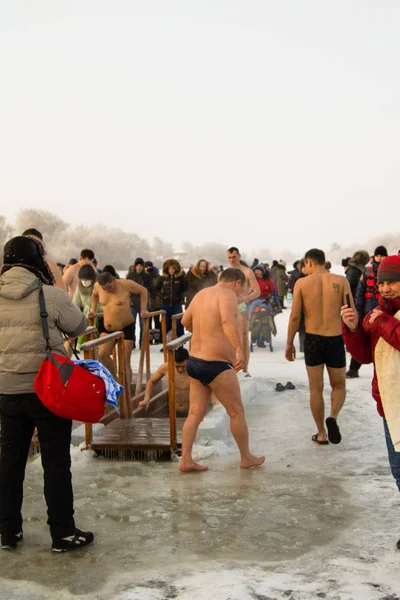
(314, 522)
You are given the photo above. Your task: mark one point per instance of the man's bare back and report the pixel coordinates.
(116, 305)
(322, 296)
(208, 308)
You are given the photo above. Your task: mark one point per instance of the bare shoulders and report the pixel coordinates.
(247, 271)
(224, 291)
(124, 283)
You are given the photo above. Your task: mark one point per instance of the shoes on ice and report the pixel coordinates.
(9, 542)
(351, 374)
(72, 542)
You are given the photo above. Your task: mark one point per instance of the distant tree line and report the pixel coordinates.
(120, 248)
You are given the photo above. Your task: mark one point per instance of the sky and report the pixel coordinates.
(252, 123)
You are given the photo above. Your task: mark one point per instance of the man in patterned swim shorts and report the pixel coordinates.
(321, 296)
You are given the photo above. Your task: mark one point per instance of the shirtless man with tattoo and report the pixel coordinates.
(321, 296)
(215, 356)
(181, 383)
(114, 297)
(251, 291)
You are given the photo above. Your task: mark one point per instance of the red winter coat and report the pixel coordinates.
(266, 287)
(361, 344)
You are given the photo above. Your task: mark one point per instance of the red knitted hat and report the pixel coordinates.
(389, 269)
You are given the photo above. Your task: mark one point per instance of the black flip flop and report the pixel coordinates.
(279, 387)
(334, 435)
(320, 442)
(290, 386)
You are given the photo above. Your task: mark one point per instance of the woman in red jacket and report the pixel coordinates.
(377, 339)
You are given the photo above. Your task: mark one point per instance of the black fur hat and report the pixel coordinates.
(25, 252)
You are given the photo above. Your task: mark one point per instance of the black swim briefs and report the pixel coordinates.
(129, 330)
(205, 371)
(324, 350)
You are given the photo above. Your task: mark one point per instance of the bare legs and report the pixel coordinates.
(227, 390)
(199, 398)
(128, 344)
(105, 356)
(337, 379)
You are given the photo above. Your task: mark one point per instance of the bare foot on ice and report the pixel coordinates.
(252, 461)
(192, 466)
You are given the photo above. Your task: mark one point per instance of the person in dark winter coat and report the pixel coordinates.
(254, 263)
(367, 297)
(376, 339)
(171, 289)
(138, 275)
(355, 269)
(198, 278)
(281, 282)
(155, 302)
(273, 271)
(302, 324)
(294, 275)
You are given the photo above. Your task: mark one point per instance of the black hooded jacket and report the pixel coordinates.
(171, 288)
(143, 279)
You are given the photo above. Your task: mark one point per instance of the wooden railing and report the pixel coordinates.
(171, 347)
(174, 325)
(145, 348)
(89, 333)
(126, 403)
(97, 315)
(90, 351)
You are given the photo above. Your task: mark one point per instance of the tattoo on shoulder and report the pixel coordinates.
(336, 288)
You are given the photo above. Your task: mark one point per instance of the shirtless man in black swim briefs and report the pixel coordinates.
(321, 295)
(215, 356)
(114, 297)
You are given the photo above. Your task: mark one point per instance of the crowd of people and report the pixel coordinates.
(221, 307)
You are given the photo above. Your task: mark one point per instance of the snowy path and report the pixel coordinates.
(314, 522)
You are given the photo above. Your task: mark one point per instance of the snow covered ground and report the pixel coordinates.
(313, 522)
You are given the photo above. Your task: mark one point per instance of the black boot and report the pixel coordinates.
(351, 374)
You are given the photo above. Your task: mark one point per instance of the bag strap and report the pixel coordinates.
(45, 326)
(75, 353)
(43, 319)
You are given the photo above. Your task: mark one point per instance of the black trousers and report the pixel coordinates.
(354, 365)
(19, 414)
